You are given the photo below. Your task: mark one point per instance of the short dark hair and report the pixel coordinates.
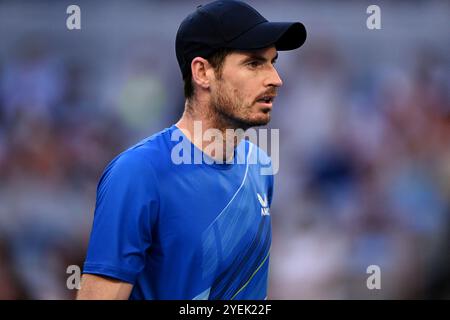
(216, 60)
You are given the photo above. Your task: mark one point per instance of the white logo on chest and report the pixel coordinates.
(264, 205)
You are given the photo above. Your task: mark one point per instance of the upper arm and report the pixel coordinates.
(102, 288)
(126, 208)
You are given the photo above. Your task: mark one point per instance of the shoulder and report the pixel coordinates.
(141, 160)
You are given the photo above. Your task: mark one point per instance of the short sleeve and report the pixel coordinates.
(126, 207)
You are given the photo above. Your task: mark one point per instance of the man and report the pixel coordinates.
(169, 230)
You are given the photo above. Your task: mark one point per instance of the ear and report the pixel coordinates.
(201, 72)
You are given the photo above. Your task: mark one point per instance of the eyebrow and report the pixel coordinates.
(258, 57)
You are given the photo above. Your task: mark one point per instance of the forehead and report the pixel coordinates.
(268, 53)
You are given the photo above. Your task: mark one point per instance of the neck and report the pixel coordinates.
(209, 132)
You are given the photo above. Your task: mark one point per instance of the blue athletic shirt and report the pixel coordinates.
(183, 231)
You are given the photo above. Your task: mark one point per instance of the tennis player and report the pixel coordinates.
(170, 229)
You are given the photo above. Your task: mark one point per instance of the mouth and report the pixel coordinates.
(266, 100)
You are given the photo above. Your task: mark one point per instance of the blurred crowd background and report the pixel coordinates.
(364, 119)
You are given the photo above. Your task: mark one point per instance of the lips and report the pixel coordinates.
(266, 99)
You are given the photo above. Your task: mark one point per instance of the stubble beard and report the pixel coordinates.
(228, 110)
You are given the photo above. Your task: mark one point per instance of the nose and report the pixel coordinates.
(273, 79)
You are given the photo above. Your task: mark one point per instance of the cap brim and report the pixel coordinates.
(284, 35)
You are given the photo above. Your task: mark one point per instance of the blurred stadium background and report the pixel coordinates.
(364, 119)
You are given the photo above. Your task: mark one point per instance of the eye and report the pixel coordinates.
(254, 64)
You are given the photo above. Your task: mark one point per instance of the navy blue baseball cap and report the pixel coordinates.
(234, 25)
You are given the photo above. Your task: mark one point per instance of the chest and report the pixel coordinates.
(213, 218)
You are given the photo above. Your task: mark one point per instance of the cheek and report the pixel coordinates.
(240, 88)
(245, 94)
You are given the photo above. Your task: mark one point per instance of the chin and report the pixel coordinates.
(263, 119)
(259, 121)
